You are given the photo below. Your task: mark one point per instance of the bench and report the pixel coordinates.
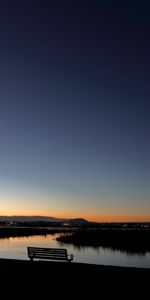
(49, 253)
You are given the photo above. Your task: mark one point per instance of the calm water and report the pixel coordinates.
(17, 248)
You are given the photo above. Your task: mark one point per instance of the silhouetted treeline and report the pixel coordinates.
(27, 231)
(77, 223)
(30, 224)
(131, 241)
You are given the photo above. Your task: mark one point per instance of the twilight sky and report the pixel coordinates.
(75, 109)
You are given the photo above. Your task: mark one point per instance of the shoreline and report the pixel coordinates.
(64, 280)
(94, 265)
(130, 241)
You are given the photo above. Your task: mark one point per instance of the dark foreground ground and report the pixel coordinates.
(54, 280)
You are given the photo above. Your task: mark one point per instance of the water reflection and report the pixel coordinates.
(16, 247)
(128, 242)
(98, 249)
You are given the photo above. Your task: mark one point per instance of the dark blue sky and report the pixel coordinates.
(75, 108)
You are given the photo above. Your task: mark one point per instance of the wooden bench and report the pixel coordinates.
(49, 253)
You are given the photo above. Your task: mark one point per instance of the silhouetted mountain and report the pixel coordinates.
(40, 219)
(80, 220)
(27, 219)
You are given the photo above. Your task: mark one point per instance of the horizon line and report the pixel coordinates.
(72, 218)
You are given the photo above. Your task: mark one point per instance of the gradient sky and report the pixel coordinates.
(75, 109)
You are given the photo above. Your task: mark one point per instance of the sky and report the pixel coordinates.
(75, 109)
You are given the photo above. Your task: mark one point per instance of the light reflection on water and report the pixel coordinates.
(16, 247)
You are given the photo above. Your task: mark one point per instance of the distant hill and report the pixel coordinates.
(80, 220)
(40, 219)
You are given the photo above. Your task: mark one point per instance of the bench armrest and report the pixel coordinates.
(70, 256)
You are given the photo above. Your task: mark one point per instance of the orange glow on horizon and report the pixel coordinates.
(108, 218)
(106, 214)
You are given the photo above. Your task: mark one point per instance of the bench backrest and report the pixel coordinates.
(47, 253)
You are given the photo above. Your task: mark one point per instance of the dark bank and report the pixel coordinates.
(128, 240)
(45, 280)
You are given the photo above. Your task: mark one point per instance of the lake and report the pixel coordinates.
(16, 247)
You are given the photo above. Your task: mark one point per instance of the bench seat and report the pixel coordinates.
(49, 253)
